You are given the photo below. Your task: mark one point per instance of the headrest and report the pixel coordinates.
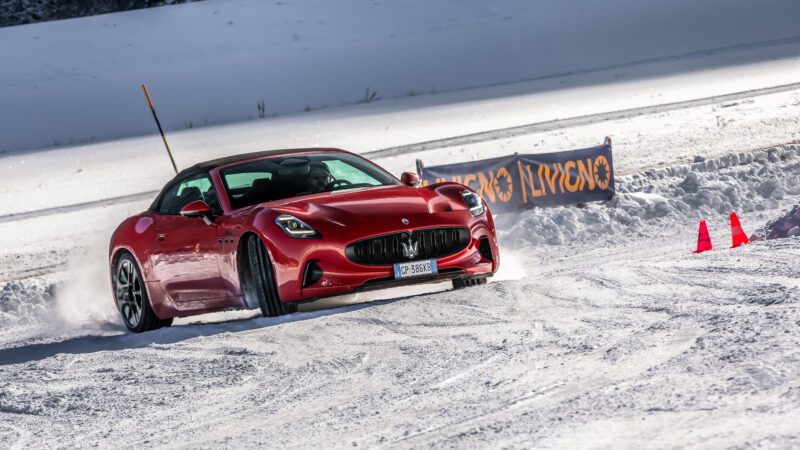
(294, 167)
(191, 191)
(261, 184)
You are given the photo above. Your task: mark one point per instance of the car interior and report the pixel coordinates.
(279, 178)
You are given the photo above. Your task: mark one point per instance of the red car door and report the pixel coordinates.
(186, 258)
(187, 250)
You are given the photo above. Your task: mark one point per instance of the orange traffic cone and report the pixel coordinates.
(703, 240)
(737, 233)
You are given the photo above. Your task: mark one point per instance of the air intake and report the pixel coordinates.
(312, 274)
(485, 248)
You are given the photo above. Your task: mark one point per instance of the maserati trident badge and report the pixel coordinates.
(410, 249)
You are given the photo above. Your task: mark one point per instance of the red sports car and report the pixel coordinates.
(271, 229)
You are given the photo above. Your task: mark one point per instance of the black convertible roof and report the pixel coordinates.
(214, 163)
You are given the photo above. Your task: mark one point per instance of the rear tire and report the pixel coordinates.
(461, 283)
(130, 295)
(261, 282)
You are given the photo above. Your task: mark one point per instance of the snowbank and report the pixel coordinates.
(24, 304)
(646, 202)
(210, 62)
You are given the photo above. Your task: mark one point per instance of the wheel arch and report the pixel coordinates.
(241, 251)
(243, 269)
(117, 253)
(242, 244)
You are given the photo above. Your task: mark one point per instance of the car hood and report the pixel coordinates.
(380, 207)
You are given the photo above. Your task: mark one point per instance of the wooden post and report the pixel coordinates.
(160, 130)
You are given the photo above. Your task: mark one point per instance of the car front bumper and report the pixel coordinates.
(342, 276)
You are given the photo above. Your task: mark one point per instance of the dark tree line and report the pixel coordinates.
(20, 12)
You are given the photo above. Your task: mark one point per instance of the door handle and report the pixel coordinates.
(161, 236)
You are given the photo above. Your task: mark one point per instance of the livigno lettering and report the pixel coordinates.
(536, 180)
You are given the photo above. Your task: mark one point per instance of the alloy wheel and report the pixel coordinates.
(129, 293)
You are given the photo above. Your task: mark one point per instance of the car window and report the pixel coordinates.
(245, 180)
(278, 178)
(195, 187)
(340, 170)
(201, 183)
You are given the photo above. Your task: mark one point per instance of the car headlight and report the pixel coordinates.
(295, 228)
(474, 202)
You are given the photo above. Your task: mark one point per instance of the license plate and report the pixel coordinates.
(415, 269)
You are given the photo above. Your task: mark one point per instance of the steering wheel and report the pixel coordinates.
(336, 183)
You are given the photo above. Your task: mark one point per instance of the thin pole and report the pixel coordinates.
(160, 130)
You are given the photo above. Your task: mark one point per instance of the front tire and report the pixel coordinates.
(131, 297)
(259, 280)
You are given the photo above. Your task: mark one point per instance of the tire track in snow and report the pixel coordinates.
(674, 343)
(22, 436)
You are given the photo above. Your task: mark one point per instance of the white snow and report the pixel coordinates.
(744, 183)
(213, 61)
(93, 172)
(614, 334)
(602, 329)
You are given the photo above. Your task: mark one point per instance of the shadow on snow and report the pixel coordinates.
(174, 334)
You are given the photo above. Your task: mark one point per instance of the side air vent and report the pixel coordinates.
(485, 248)
(312, 274)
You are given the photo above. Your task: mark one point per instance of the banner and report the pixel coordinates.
(517, 182)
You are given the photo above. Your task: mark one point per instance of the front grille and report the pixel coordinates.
(388, 249)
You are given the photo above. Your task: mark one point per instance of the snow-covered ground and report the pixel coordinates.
(614, 335)
(93, 172)
(601, 330)
(215, 61)
(75, 175)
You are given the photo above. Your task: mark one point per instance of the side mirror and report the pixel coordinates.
(197, 208)
(409, 179)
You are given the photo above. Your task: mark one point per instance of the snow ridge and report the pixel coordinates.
(645, 202)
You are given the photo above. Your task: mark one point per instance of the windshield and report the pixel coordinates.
(291, 176)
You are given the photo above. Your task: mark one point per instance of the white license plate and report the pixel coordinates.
(415, 269)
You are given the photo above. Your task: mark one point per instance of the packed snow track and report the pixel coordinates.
(603, 331)
(602, 328)
(694, 349)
